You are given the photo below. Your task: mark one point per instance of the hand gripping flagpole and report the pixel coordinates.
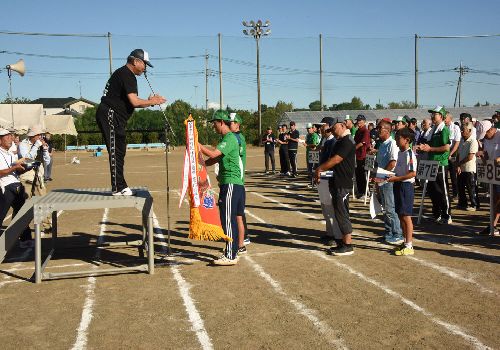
(168, 129)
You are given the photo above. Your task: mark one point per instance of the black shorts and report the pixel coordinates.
(404, 195)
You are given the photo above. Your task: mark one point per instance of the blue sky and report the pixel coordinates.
(371, 38)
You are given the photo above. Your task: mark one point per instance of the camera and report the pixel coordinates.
(31, 164)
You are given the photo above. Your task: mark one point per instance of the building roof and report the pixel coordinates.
(60, 102)
(302, 118)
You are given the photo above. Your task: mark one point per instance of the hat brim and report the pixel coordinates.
(148, 63)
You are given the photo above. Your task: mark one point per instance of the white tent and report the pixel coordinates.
(60, 124)
(21, 116)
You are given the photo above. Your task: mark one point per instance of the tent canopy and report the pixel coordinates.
(25, 115)
(60, 124)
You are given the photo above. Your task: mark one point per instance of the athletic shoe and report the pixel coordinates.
(30, 243)
(125, 192)
(242, 250)
(395, 240)
(485, 231)
(404, 251)
(224, 261)
(344, 249)
(470, 209)
(443, 221)
(495, 233)
(246, 241)
(438, 219)
(331, 241)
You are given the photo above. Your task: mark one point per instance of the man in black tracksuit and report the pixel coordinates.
(117, 105)
(293, 143)
(283, 151)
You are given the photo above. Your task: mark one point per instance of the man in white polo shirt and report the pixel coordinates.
(455, 137)
(12, 194)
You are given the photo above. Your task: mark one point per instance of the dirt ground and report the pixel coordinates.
(286, 293)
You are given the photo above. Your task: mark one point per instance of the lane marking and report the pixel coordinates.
(197, 324)
(87, 312)
(284, 205)
(322, 327)
(452, 328)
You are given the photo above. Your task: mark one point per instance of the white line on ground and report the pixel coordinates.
(284, 205)
(87, 312)
(330, 334)
(3, 283)
(454, 329)
(197, 324)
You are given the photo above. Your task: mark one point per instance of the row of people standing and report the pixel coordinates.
(288, 141)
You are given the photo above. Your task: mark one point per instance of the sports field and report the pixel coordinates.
(286, 293)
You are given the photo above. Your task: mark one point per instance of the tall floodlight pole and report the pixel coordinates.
(321, 71)
(256, 30)
(416, 71)
(221, 99)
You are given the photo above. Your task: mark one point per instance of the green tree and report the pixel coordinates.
(16, 100)
(379, 106)
(282, 107)
(401, 105)
(315, 106)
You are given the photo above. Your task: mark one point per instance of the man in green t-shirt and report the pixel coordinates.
(438, 148)
(312, 141)
(350, 125)
(230, 177)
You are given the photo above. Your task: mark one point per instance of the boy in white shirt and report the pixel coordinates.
(404, 179)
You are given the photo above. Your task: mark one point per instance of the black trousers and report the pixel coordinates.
(467, 180)
(452, 173)
(269, 154)
(340, 203)
(113, 130)
(292, 155)
(439, 195)
(284, 160)
(360, 177)
(14, 196)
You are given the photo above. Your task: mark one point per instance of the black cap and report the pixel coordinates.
(142, 55)
(328, 120)
(360, 117)
(465, 115)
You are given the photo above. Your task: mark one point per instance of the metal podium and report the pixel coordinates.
(90, 198)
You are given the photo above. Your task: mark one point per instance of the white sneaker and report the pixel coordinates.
(224, 261)
(125, 192)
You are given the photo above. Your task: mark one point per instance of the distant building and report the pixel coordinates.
(64, 105)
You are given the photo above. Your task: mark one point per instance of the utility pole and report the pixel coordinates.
(257, 32)
(80, 86)
(416, 71)
(110, 54)
(206, 80)
(461, 71)
(321, 71)
(221, 100)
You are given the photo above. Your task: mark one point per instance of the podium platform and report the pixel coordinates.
(82, 199)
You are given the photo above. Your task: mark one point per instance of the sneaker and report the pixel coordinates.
(443, 221)
(331, 241)
(495, 233)
(125, 192)
(242, 250)
(344, 249)
(395, 240)
(438, 219)
(399, 247)
(470, 209)
(30, 243)
(404, 251)
(224, 261)
(246, 241)
(288, 173)
(485, 231)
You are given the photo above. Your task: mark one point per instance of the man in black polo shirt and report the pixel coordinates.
(117, 105)
(283, 152)
(269, 142)
(293, 142)
(343, 164)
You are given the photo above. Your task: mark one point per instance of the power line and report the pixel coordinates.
(54, 34)
(91, 58)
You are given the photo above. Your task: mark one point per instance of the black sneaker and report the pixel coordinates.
(242, 250)
(331, 241)
(344, 249)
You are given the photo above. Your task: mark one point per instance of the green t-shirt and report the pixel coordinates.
(230, 166)
(353, 131)
(311, 139)
(497, 125)
(438, 139)
(243, 153)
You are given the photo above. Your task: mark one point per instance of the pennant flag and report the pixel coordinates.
(204, 219)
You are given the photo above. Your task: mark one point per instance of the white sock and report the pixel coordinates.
(409, 245)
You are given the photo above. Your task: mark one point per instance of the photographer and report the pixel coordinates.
(12, 194)
(34, 148)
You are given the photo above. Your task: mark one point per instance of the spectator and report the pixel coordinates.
(403, 188)
(491, 151)
(293, 143)
(465, 165)
(48, 166)
(399, 123)
(362, 141)
(342, 163)
(333, 234)
(350, 125)
(312, 142)
(467, 118)
(283, 151)
(455, 141)
(13, 193)
(438, 148)
(413, 126)
(386, 158)
(269, 142)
